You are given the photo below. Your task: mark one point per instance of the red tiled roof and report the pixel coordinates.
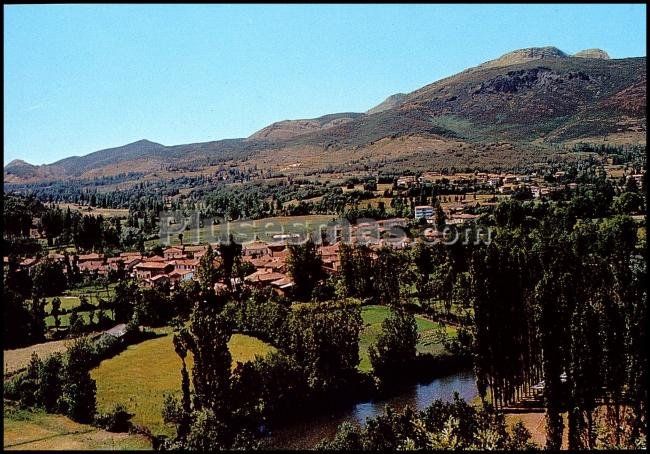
(155, 258)
(264, 276)
(153, 265)
(92, 256)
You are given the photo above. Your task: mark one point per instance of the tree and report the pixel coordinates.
(627, 203)
(440, 218)
(442, 426)
(15, 310)
(209, 423)
(230, 253)
(389, 270)
(56, 306)
(306, 268)
(79, 389)
(324, 341)
(37, 321)
(48, 278)
(356, 260)
(395, 349)
(51, 382)
(127, 295)
(207, 273)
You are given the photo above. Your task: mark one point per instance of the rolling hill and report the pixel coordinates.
(526, 102)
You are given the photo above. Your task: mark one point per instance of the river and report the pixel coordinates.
(306, 434)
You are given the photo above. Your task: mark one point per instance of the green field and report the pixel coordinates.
(65, 318)
(70, 298)
(245, 231)
(37, 430)
(140, 376)
(430, 334)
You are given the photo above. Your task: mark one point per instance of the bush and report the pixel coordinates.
(118, 419)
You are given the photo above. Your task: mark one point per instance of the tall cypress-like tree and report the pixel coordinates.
(306, 268)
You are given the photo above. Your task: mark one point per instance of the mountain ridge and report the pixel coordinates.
(570, 97)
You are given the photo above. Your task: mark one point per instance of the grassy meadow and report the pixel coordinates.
(430, 334)
(37, 430)
(140, 377)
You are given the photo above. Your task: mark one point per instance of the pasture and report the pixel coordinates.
(37, 430)
(140, 377)
(430, 334)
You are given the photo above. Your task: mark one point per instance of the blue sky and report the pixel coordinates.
(79, 78)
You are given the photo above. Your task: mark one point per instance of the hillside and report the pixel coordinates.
(527, 101)
(288, 129)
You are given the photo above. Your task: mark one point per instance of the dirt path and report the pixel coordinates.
(535, 423)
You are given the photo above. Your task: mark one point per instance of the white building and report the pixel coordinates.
(423, 211)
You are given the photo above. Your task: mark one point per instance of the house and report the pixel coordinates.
(431, 234)
(536, 191)
(147, 270)
(460, 219)
(171, 253)
(405, 181)
(423, 211)
(636, 177)
(130, 262)
(196, 251)
(177, 276)
(90, 257)
(331, 258)
(282, 285)
(185, 264)
(157, 280)
(255, 249)
(28, 264)
(153, 258)
(277, 246)
(93, 266)
(263, 277)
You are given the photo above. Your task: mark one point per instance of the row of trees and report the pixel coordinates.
(58, 384)
(573, 298)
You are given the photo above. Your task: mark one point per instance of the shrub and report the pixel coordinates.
(118, 419)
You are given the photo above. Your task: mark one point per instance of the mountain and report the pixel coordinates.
(592, 53)
(514, 110)
(391, 102)
(292, 128)
(21, 169)
(525, 55)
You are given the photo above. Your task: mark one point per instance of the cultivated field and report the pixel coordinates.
(106, 212)
(27, 430)
(140, 377)
(246, 231)
(18, 358)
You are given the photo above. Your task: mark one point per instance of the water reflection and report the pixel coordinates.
(305, 435)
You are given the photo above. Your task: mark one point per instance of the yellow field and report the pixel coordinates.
(140, 377)
(26, 430)
(19, 358)
(106, 212)
(245, 231)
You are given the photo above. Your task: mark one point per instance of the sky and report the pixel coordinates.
(80, 78)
